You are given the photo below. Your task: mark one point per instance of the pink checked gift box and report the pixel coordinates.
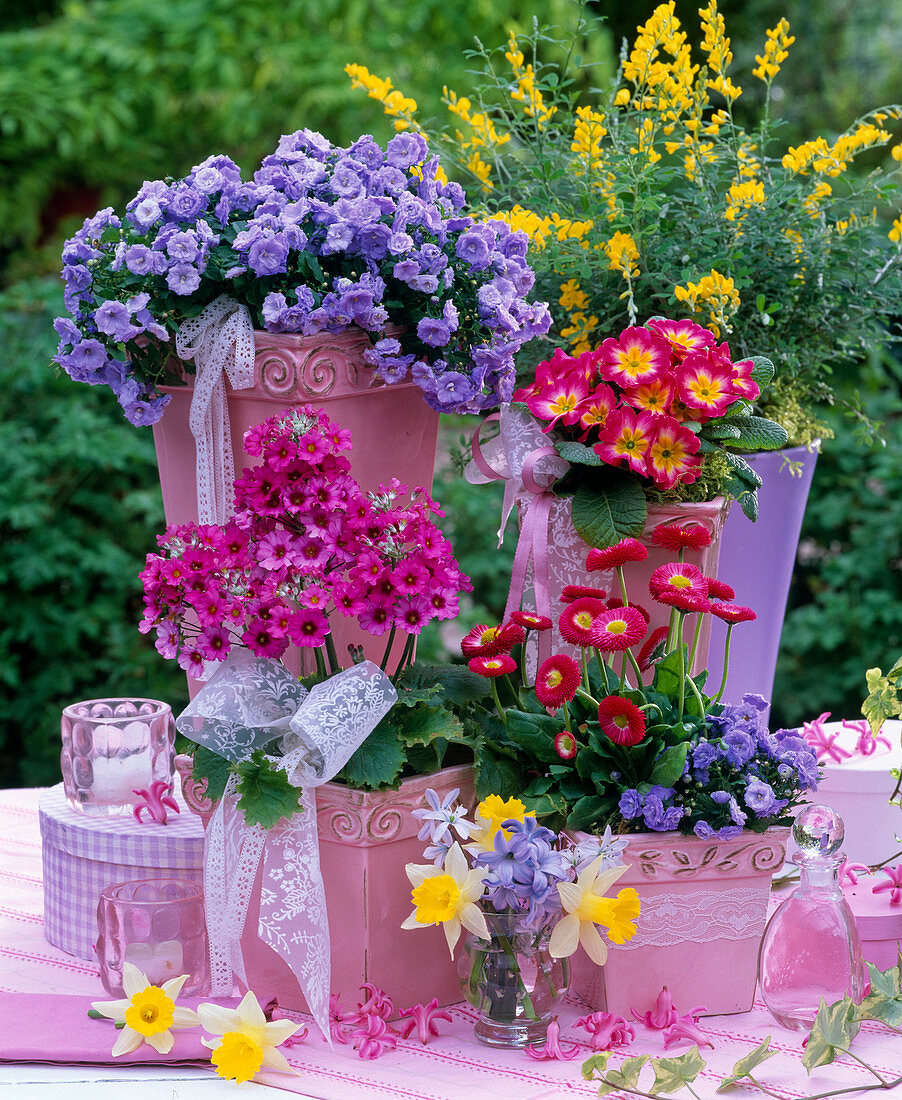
(82, 855)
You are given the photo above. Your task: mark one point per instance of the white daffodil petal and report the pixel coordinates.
(128, 1040)
(184, 1017)
(473, 886)
(212, 1044)
(173, 987)
(607, 879)
(592, 943)
(412, 922)
(249, 1010)
(218, 1020)
(587, 876)
(113, 1010)
(275, 1059)
(564, 937)
(162, 1042)
(456, 864)
(473, 919)
(279, 1030)
(133, 981)
(417, 873)
(452, 933)
(571, 894)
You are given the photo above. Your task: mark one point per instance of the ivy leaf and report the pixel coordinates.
(377, 763)
(745, 1065)
(596, 1063)
(884, 1002)
(264, 794)
(577, 452)
(603, 515)
(672, 1074)
(214, 768)
(834, 1029)
(626, 1077)
(883, 699)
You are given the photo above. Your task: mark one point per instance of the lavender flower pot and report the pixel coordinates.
(394, 432)
(758, 559)
(704, 908)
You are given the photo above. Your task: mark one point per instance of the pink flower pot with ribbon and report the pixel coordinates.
(704, 908)
(245, 376)
(551, 554)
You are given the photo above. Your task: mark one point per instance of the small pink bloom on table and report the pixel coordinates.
(553, 1048)
(662, 1015)
(423, 1019)
(849, 871)
(686, 1028)
(606, 1030)
(378, 1003)
(373, 1038)
(894, 884)
(155, 800)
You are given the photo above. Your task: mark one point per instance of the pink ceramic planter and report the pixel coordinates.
(394, 431)
(704, 907)
(365, 840)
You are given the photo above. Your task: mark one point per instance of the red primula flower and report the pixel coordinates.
(613, 556)
(637, 356)
(492, 666)
(618, 628)
(621, 720)
(627, 435)
(674, 537)
(683, 336)
(578, 618)
(557, 680)
(530, 621)
(643, 659)
(719, 590)
(673, 457)
(566, 745)
(653, 397)
(486, 641)
(571, 592)
(677, 576)
(733, 612)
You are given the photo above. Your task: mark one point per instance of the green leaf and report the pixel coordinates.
(534, 733)
(669, 765)
(884, 698)
(743, 470)
(745, 1065)
(496, 774)
(587, 811)
(835, 1027)
(672, 1074)
(884, 1002)
(424, 724)
(265, 796)
(578, 453)
(458, 683)
(602, 517)
(214, 768)
(756, 433)
(544, 805)
(378, 761)
(762, 371)
(720, 429)
(595, 1063)
(626, 1077)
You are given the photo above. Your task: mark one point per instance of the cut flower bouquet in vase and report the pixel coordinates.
(527, 898)
(625, 737)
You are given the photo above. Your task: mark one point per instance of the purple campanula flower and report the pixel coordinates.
(433, 331)
(207, 179)
(183, 279)
(339, 236)
(406, 149)
(453, 388)
(724, 798)
(373, 241)
(267, 256)
(139, 259)
(703, 829)
(739, 747)
(113, 319)
(474, 248)
(185, 203)
(426, 284)
(182, 247)
(761, 800)
(630, 804)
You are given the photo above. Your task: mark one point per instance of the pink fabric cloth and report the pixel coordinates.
(449, 1067)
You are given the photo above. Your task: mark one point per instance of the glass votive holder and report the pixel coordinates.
(112, 747)
(158, 926)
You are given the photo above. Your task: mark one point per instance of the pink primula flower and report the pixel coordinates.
(705, 386)
(684, 337)
(559, 401)
(637, 356)
(673, 457)
(627, 436)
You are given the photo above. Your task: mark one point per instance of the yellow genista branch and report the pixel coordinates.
(713, 294)
(526, 91)
(579, 332)
(573, 298)
(717, 46)
(588, 131)
(394, 103)
(776, 50)
(742, 196)
(623, 255)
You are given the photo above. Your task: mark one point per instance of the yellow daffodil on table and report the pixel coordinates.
(147, 1011)
(448, 895)
(586, 906)
(245, 1041)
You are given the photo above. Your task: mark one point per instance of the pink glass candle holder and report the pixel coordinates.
(156, 925)
(111, 747)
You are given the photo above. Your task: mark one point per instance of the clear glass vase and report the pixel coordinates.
(512, 981)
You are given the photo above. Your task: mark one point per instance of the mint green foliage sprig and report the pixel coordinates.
(831, 1036)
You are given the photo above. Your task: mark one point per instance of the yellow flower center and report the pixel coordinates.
(488, 635)
(583, 619)
(436, 899)
(680, 581)
(150, 1012)
(554, 678)
(616, 626)
(238, 1057)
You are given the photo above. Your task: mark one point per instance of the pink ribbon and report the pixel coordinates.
(532, 545)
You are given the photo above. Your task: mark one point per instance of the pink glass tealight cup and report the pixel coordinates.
(156, 925)
(112, 747)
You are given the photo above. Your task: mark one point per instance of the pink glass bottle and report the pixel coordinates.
(810, 951)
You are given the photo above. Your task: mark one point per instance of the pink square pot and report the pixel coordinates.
(365, 840)
(704, 907)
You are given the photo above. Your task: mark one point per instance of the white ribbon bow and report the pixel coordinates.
(248, 703)
(220, 340)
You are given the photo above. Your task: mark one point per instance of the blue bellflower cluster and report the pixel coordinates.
(322, 239)
(739, 776)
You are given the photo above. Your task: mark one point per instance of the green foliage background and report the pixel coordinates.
(101, 94)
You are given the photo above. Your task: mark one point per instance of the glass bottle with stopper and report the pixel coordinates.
(810, 951)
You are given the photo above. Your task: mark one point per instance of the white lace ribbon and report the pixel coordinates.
(247, 704)
(700, 916)
(220, 340)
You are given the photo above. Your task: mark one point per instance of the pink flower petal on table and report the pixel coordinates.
(373, 1038)
(423, 1019)
(686, 1027)
(606, 1030)
(894, 884)
(553, 1048)
(849, 871)
(662, 1015)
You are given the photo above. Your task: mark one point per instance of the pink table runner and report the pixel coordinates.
(451, 1066)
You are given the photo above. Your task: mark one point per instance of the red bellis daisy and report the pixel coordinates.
(577, 619)
(618, 628)
(557, 680)
(530, 621)
(621, 720)
(486, 641)
(733, 613)
(490, 667)
(674, 537)
(565, 745)
(613, 556)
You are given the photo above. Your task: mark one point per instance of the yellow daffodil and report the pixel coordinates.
(246, 1041)
(490, 813)
(448, 896)
(147, 1011)
(585, 906)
